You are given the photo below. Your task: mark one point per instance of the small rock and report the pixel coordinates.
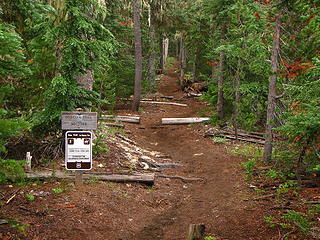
(39, 194)
(100, 165)
(197, 154)
(3, 221)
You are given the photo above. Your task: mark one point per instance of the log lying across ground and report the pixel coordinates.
(165, 103)
(250, 137)
(184, 120)
(129, 119)
(137, 177)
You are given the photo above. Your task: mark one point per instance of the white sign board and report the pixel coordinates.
(78, 155)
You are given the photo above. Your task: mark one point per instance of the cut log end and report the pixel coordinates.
(196, 231)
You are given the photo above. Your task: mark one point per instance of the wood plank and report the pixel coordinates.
(79, 120)
(143, 178)
(129, 119)
(165, 103)
(184, 120)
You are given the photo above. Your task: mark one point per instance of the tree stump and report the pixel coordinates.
(196, 231)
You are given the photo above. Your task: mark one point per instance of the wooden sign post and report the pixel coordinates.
(78, 143)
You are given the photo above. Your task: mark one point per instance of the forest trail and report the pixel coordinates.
(221, 201)
(133, 211)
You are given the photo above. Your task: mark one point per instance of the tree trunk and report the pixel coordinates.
(153, 54)
(237, 100)
(161, 62)
(272, 92)
(182, 61)
(220, 102)
(138, 55)
(165, 50)
(195, 70)
(86, 80)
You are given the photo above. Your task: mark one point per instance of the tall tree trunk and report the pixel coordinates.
(138, 55)
(183, 61)
(272, 92)
(220, 102)
(161, 62)
(86, 80)
(165, 50)
(195, 67)
(153, 46)
(237, 100)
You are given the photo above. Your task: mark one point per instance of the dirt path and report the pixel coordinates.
(219, 202)
(113, 211)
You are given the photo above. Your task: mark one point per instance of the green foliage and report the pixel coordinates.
(58, 190)
(296, 219)
(86, 47)
(286, 187)
(247, 150)
(30, 197)
(11, 170)
(249, 167)
(15, 223)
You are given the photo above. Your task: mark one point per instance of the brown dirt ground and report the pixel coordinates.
(128, 211)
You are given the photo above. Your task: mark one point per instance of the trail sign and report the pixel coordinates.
(79, 120)
(78, 154)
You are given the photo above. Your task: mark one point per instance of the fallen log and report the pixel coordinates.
(184, 179)
(245, 132)
(229, 136)
(165, 103)
(142, 178)
(243, 135)
(129, 119)
(160, 165)
(184, 120)
(113, 125)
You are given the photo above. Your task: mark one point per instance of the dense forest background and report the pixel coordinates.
(258, 59)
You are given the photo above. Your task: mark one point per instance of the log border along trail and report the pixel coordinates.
(221, 201)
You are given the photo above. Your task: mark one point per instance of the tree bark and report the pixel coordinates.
(183, 63)
(220, 102)
(153, 46)
(237, 100)
(161, 60)
(272, 92)
(165, 50)
(86, 80)
(195, 70)
(138, 55)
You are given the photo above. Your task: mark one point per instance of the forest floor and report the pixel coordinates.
(224, 202)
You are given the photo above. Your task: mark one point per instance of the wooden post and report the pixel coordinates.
(196, 231)
(78, 179)
(28, 159)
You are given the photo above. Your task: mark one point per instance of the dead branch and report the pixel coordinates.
(184, 179)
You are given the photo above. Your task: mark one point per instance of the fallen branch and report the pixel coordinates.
(184, 120)
(231, 137)
(129, 119)
(143, 178)
(165, 103)
(126, 139)
(184, 179)
(12, 197)
(160, 165)
(263, 197)
(113, 125)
